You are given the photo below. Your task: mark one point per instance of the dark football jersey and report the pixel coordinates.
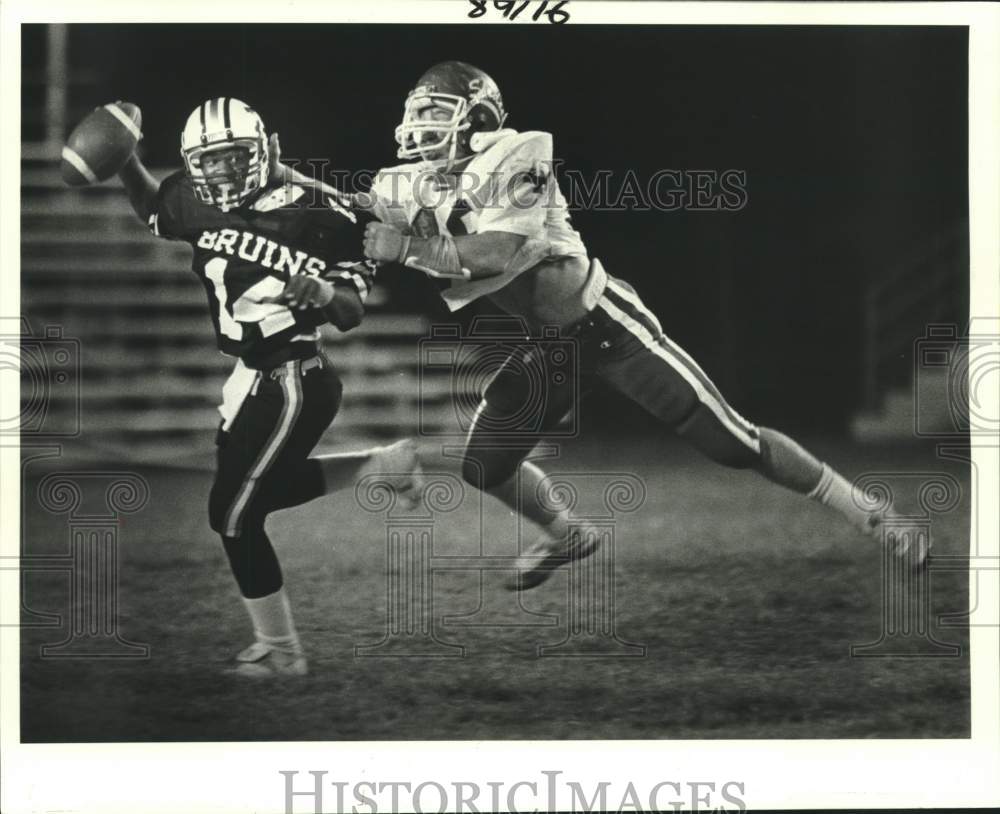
(246, 254)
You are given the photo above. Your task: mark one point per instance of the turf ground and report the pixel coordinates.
(747, 600)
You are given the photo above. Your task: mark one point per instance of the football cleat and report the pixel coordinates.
(909, 545)
(260, 660)
(906, 543)
(399, 464)
(538, 562)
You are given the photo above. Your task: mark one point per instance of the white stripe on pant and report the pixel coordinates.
(627, 295)
(291, 387)
(642, 333)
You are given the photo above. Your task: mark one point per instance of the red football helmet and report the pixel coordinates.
(470, 98)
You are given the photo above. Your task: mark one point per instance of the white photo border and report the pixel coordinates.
(223, 777)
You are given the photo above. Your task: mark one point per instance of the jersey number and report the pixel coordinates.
(269, 318)
(215, 270)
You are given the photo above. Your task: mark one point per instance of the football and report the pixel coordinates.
(101, 143)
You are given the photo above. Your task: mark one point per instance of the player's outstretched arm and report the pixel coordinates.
(141, 187)
(488, 253)
(465, 257)
(281, 173)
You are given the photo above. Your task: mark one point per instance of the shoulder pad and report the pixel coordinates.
(178, 210)
(279, 197)
(515, 150)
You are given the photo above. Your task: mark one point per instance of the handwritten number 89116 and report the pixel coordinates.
(510, 9)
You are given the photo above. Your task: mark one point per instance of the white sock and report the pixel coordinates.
(833, 490)
(272, 621)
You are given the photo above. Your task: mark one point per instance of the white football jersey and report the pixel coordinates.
(509, 186)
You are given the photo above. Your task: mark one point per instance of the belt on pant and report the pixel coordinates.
(591, 325)
(304, 366)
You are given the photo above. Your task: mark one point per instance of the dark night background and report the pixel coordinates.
(749, 601)
(854, 141)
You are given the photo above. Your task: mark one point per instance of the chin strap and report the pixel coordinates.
(435, 256)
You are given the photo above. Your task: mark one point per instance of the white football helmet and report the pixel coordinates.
(220, 124)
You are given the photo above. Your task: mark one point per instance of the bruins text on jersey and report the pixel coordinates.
(246, 255)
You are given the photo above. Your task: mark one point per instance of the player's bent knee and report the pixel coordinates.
(486, 469)
(707, 434)
(224, 521)
(472, 471)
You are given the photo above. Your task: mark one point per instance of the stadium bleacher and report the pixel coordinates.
(150, 376)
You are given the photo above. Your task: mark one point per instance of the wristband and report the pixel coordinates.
(436, 256)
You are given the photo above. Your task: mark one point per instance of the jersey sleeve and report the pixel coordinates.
(356, 279)
(519, 189)
(357, 276)
(389, 194)
(168, 220)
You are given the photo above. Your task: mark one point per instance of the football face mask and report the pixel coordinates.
(224, 147)
(431, 125)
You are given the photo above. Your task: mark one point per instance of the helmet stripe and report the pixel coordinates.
(226, 119)
(204, 128)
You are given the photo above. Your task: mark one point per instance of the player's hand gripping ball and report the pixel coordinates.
(384, 243)
(101, 144)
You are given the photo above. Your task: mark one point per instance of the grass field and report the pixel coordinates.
(747, 600)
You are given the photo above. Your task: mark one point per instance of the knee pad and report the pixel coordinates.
(704, 430)
(279, 491)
